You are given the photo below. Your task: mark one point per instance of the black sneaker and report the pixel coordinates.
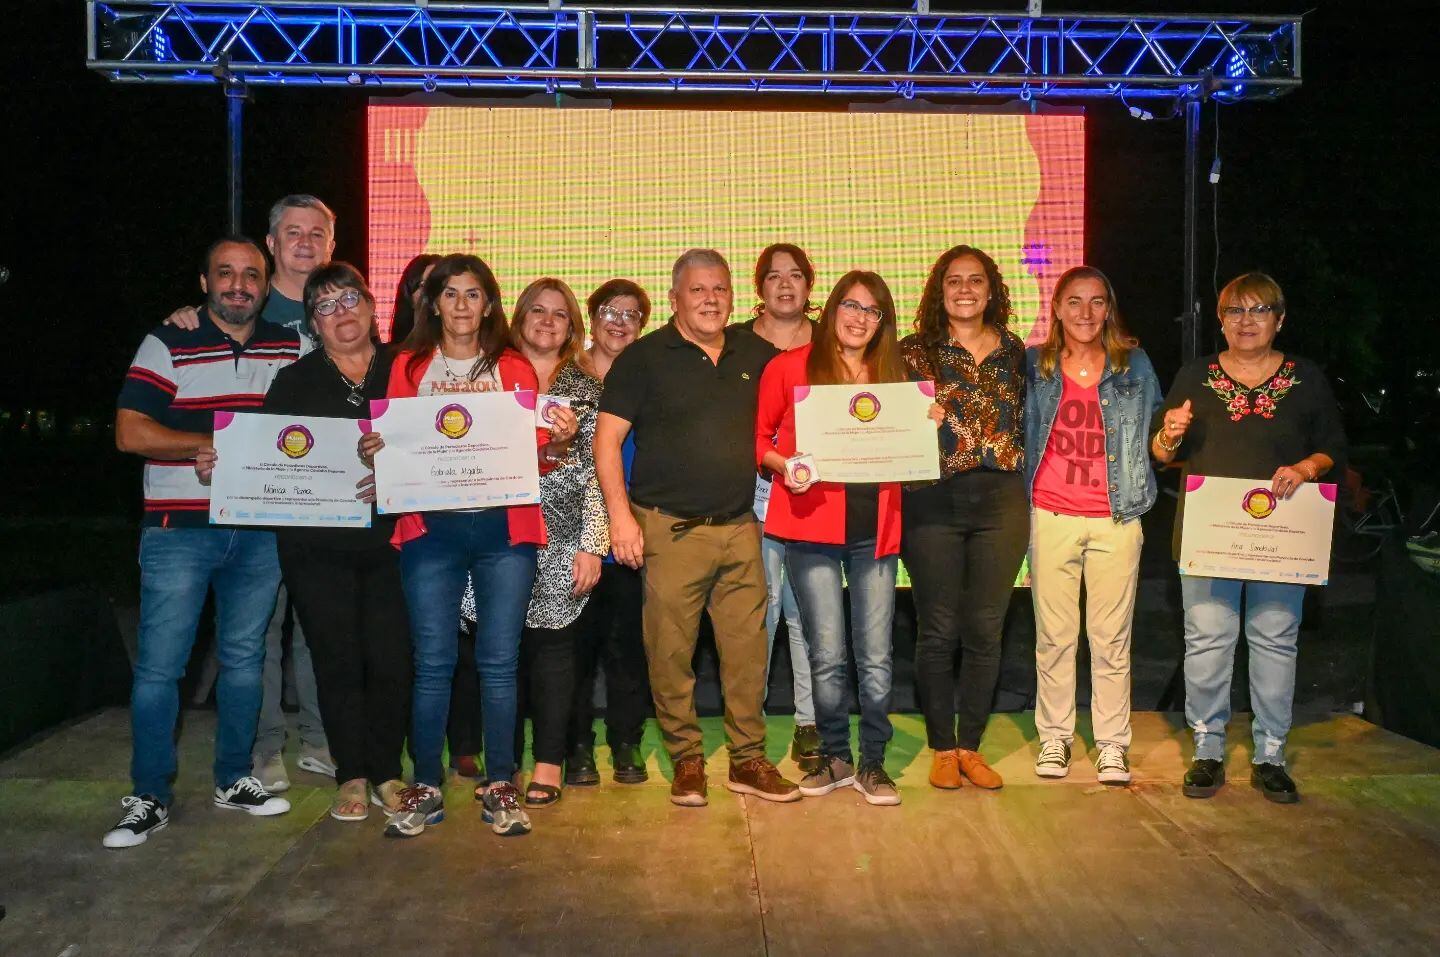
(805, 748)
(247, 795)
(143, 816)
(580, 770)
(1204, 778)
(1274, 783)
(629, 764)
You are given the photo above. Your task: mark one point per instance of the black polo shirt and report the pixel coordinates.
(693, 420)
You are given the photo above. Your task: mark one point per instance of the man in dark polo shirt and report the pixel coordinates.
(688, 392)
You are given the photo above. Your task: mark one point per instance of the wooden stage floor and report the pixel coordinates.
(1063, 867)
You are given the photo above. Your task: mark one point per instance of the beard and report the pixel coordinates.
(234, 315)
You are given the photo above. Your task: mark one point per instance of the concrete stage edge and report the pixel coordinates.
(1040, 867)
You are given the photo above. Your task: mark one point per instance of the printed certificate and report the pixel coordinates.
(473, 450)
(1237, 528)
(287, 470)
(868, 433)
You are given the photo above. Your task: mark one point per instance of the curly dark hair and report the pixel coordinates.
(931, 323)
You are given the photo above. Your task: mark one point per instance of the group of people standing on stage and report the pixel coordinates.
(651, 516)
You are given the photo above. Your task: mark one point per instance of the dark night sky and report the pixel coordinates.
(113, 190)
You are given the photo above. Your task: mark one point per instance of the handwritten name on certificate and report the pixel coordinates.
(473, 450)
(1238, 528)
(287, 470)
(868, 433)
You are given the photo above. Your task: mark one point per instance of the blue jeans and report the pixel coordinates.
(1212, 627)
(815, 571)
(178, 566)
(780, 597)
(433, 569)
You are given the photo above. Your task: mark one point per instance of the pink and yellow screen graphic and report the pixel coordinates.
(590, 194)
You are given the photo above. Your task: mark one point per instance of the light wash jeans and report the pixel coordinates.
(780, 597)
(178, 566)
(815, 571)
(270, 734)
(1212, 628)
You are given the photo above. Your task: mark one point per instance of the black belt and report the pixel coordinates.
(685, 524)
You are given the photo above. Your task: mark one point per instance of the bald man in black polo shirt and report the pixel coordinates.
(688, 392)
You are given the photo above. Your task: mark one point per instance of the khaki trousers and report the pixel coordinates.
(716, 568)
(1063, 550)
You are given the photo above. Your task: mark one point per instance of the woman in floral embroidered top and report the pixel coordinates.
(1249, 412)
(964, 537)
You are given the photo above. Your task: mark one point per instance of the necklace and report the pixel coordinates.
(1084, 372)
(794, 334)
(469, 376)
(355, 397)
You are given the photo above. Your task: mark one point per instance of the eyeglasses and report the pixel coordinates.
(350, 299)
(1258, 312)
(629, 317)
(871, 314)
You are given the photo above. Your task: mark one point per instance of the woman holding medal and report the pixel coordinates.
(783, 278)
(836, 534)
(1091, 392)
(345, 582)
(549, 331)
(460, 344)
(965, 536)
(1253, 412)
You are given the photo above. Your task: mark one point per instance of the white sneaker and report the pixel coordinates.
(317, 761)
(247, 795)
(1054, 759)
(143, 816)
(1112, 765)
(269, 770)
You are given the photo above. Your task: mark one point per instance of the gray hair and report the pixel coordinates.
(299, 201)
(696, 257)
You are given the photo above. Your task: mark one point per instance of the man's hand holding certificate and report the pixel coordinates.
(881, 432)
(291, 470)
(473, 450)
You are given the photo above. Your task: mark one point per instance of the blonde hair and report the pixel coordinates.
(1113, 335)
(574, 348)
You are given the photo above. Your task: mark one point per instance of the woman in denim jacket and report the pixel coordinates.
(1091, 392)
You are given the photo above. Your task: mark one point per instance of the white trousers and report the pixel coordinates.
(1064, 549)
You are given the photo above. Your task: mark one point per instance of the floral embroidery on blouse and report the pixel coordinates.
(1260, 400)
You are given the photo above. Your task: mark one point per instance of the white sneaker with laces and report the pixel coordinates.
(1112, 765)
(1054, 759)
(247, 795)
(316, 761)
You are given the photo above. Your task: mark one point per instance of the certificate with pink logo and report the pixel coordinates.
(1238, 528)
(287, 470)
(442, 452)
(868, 433)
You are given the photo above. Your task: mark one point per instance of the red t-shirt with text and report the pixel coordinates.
(1071, 477)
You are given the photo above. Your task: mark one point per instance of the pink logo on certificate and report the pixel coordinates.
(295, 441)
(547, 412)
(865, 406)
(801, 474)
(453, 421)
(1259, 503)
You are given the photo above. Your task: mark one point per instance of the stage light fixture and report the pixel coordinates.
(122, 33)
(1253, 59)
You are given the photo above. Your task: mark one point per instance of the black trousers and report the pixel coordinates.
(353, 611)
(963, 541)
(545, 686)
(612, 636)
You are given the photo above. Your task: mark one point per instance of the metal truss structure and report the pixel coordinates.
(556, 47)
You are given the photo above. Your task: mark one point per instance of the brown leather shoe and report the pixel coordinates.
(945, 770)
(973, 766)
(761, 778)
(688, 788)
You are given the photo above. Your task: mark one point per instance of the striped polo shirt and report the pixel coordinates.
(180, 378)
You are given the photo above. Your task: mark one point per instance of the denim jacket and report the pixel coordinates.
(1128, 401)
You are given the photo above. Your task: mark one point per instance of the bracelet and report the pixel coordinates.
(1309, 472)
(1160, 441)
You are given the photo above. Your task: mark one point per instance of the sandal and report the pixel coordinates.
(550, 793)
(350, 802)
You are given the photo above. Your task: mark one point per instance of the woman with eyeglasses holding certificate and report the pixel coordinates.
(837, 535)
(1254, 412)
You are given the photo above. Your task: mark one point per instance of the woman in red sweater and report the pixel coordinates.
(830, 529)
(460, 344)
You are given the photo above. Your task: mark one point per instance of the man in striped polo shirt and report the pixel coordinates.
(165, 413)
